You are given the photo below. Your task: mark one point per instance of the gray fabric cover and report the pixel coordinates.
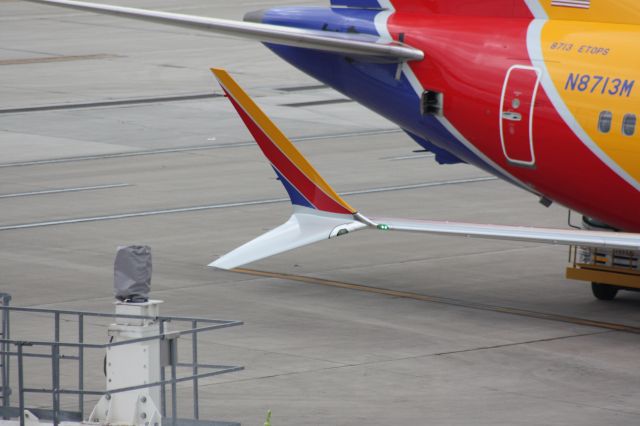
(132, 273)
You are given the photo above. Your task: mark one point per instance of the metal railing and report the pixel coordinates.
(5, 299)
(17, 349)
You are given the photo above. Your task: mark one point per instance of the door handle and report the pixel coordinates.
(511, 116)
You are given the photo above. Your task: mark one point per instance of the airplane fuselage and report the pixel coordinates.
(550, 105)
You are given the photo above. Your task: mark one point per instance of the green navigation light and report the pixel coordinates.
(383, 227)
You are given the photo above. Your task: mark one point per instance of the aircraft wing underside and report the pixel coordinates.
(361, 45)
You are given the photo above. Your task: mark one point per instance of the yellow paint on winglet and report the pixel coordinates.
(276, 135)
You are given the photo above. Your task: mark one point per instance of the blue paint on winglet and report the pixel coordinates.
(294, 195)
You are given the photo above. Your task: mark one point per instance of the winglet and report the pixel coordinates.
(303, 183)
(319, 212)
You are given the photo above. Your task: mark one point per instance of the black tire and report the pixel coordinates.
(604, 291)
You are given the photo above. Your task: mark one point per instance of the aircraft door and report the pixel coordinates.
(516, 114)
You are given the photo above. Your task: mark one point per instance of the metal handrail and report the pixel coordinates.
(107, 315)
(80, 345)
(124, 342)
(5, 299)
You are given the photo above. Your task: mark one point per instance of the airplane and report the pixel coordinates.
(540, 93)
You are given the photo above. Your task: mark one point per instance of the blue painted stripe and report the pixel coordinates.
(363, 4)
(442, 155)
(294, 195)
(358, 21)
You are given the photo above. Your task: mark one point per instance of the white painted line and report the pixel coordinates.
(140, 214)
(418, 186)
(409, 157)
(58, 191)
(235, 204)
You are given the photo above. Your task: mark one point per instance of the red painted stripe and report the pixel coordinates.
(487, 8)
(297, 178)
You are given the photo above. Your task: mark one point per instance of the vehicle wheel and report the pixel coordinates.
(604, 291)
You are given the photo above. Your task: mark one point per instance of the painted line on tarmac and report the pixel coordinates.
(193, 148)
(48, 59)
(420, 185)
(133, 101)
(120, 102)
(302, 88)
(234, 204)
(64, 190)
(319, 103)
(408, 157)
(442, 300)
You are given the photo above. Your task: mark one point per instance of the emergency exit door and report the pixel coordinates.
(517, 106)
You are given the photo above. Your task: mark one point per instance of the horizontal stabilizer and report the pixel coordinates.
(362, 45)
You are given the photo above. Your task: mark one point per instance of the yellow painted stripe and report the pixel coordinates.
(276, 135)
(614, 11)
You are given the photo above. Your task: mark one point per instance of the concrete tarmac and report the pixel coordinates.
(110, 135)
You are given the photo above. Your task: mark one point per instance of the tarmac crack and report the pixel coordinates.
(508, 345)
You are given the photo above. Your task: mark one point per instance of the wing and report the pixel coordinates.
(616, 240)
(361, 45)
(319, 213)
